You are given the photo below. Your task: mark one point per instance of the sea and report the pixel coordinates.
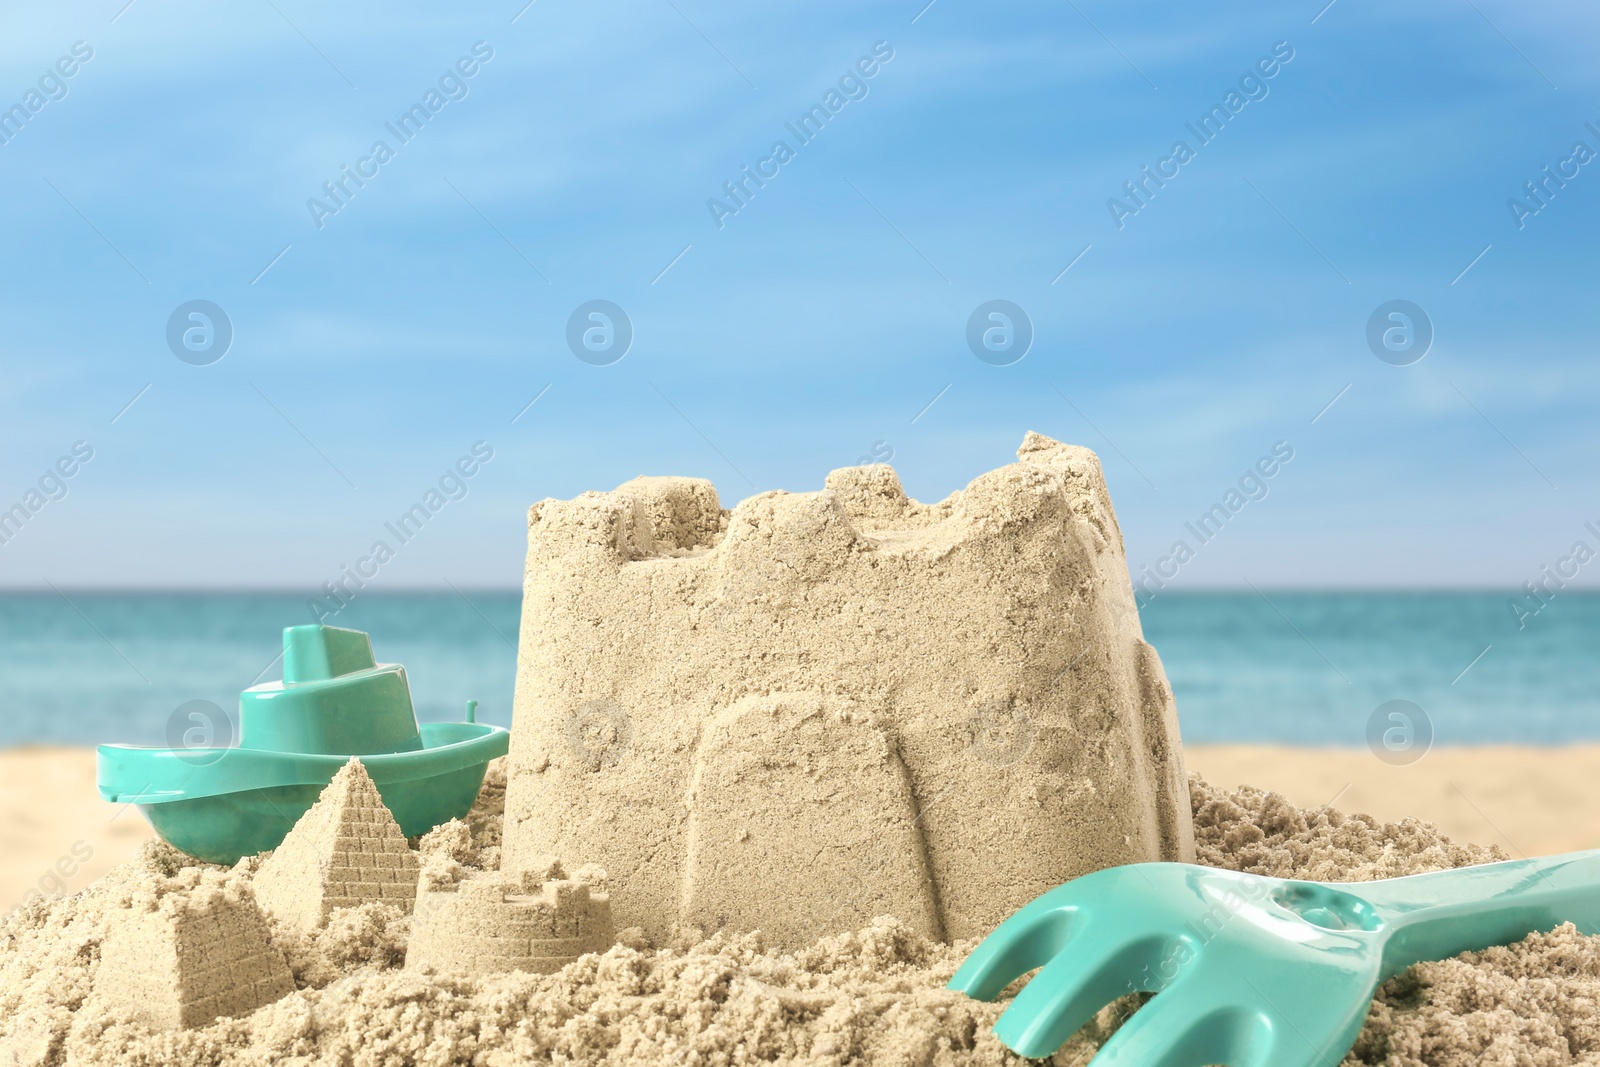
(1270, 666)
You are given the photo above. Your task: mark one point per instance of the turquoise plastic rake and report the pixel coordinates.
(1250, 971)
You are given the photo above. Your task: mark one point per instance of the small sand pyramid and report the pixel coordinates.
(190, 958)
(345, 851)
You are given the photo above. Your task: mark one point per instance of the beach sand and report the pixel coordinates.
(56, 835)
(872, 996)
(1528, 801)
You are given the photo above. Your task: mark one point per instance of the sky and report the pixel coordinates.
(358, 348)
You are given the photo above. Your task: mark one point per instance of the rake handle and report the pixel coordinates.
(1442, 914)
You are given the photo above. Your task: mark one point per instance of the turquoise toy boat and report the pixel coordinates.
(335, 701)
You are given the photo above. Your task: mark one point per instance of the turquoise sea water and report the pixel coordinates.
(1311, 668)
(1296, 667)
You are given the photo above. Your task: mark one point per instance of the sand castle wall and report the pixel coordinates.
(821, 707)
(536, 920)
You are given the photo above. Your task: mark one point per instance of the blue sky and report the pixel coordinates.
(816, 325)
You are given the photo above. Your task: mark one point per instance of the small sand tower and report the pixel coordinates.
(536, 920)
(345, 851)
(190, 958)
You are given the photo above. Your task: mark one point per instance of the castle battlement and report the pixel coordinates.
(536, 920)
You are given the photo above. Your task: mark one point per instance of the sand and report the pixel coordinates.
(1532, 801)
(179, 959)
(345, 851)
(932, 711)
(536, 920)
(871, 996)
(56, 834)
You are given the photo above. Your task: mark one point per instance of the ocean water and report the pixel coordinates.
(1313, 668)
(1295, 667)
(81, 668)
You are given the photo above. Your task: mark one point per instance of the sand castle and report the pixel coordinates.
(189, 958)
(536, 920)
(821, 707)
(345, 851)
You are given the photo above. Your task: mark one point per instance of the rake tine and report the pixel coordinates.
(1029, 939)
(1091, 973)
(1180, 1028)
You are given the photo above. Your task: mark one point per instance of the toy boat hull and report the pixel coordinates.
(220, 805)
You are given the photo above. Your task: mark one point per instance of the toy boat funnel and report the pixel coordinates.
(335, 701)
